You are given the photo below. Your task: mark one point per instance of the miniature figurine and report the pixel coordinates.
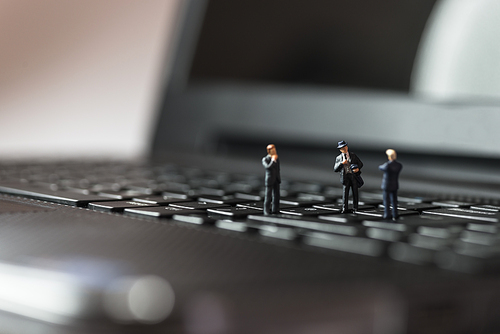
(390, 184)
(272, 181)
(349, 166)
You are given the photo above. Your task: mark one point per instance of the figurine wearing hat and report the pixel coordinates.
(349, 166)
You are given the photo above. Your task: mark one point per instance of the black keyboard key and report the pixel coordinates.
(229, 200)
(301, 211)
(315, 197)
(197, 219)
(120, 194)
(145, 188)
(440, 232)
(337, 207)
(363, 246)
(249, 196)
(411, 254)
(453, 204)
(371, 196)
(210, 191)
(486, 228)
(161, 211)
(476, 250)
(117, 206)
(177, 194)
(233, 212)
(198, 205)
(237, 226)
(384, 234)
(481, 238)
(308, 224)
(414, 206)
(283, 233)
(368, 202)
(428, 242)
(59, 196)
(408, 197)
(471, 214)
(380, 213)
(492, 208)
(345, 218)
(159, 200)
(432, 221)
(385, 225)
(260, 205)
(301, 201)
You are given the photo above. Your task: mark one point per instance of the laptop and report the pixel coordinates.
(180, 244)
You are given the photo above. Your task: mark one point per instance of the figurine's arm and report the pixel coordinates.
(383, 167)
(357, 161)
(360, 163)
(338, 164)
(267, 162)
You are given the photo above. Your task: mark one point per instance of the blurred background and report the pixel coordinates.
(81, 78)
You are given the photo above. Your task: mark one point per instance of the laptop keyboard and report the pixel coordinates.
(450, 233)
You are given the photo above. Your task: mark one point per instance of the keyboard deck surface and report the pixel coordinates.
(452, 233)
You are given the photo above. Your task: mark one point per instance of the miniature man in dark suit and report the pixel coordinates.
(348, 165)
(390, 184)
(272, 181)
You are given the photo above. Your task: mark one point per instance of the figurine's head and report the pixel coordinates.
(391, 154)
(271, 149)
(342, 146)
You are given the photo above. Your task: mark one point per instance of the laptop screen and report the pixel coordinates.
(358, 44)
(312, 73)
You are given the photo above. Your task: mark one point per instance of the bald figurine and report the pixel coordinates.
(390, 184)
(272, 181)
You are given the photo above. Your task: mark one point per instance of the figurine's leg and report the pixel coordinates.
(275, 208)
(268, 195)
(355, 197)
(394, 201)
(345, 197)
(387, 204)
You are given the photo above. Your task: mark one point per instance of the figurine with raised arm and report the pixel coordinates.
(272, 182)
(390, 184)
(349, 166)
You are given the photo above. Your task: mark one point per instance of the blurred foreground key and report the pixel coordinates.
(54, 196)
(77, 291)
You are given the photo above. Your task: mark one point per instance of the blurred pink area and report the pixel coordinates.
(81, 78)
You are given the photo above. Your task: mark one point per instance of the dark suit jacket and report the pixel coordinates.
(391, 171)
(339, 167)
(272, 170)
